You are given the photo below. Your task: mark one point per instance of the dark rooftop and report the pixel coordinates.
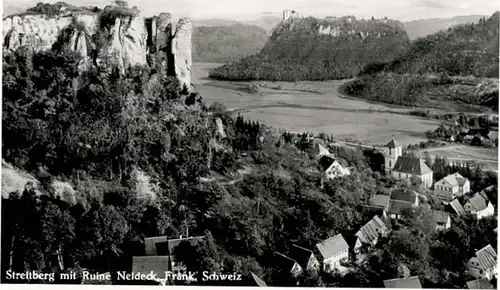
(411, 165)
(406, 195)
(300, 254)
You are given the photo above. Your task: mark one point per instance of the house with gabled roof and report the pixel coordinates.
(369, 234)
(305, 257)
(289, 265)
(404, 283)
(150, 244)
(402, 200)
(457, 207)
(479, 206)
(332, 167)
(479, 284)
(333, 250)
(163, 246)
(408, 167)
(380, 201)
(168, 249)
(451, 186)
(483, 264)
(441, 219)
(320, 150)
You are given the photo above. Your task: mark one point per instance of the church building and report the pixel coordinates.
(405, 167)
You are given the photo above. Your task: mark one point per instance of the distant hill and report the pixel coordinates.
(213, 22)
(468, 49)
(265, 22)
(319, 49)
(423, 27)
(227, 43)
(459, 64)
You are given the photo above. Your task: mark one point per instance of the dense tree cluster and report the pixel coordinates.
(301, 52)
(223, 44)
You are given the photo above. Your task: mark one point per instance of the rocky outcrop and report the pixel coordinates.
(181, 50)
(15, 180)
(145, 188)
(116, 36)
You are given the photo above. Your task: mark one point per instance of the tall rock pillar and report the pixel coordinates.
(181, 51)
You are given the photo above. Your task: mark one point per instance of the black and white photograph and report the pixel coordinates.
(254, 143)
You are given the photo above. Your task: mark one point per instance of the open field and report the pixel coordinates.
(486, 156)
(314, 107)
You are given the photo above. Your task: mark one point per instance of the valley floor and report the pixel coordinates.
(318, 107)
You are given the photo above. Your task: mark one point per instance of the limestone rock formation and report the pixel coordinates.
(116, 34)
(15, 180)
(181, 49)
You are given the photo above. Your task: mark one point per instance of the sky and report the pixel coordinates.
(403, 10)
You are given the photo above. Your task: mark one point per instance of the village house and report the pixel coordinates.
(452, 186)
(334, 251)
(369, 234)
(304, 257)
(332, 167)
(401, 201)
(164, 247)
(408, 167)
(410, 282)
(379, 201)
(479, 206)
(457, 207)
(150, 244)
(483, 264)
(320, 150)
(168, 248)
(290, 265)
(442, 220)
(479, 284)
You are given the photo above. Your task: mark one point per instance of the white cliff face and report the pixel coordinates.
(126, 41)
(181, 49)
(37, 31)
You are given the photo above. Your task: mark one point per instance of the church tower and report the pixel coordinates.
(391, 154)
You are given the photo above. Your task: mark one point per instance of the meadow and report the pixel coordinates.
(314, 107)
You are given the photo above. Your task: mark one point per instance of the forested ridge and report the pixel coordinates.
(449, 64)
(226, 43)
(314, 49)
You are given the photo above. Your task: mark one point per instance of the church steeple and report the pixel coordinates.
(393, 143)
(391, 153)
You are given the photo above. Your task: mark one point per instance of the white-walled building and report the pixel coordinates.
(405, 167)
(479, 206)
(484, 263)
(392, 151)
(452, 186)
(334, 251)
